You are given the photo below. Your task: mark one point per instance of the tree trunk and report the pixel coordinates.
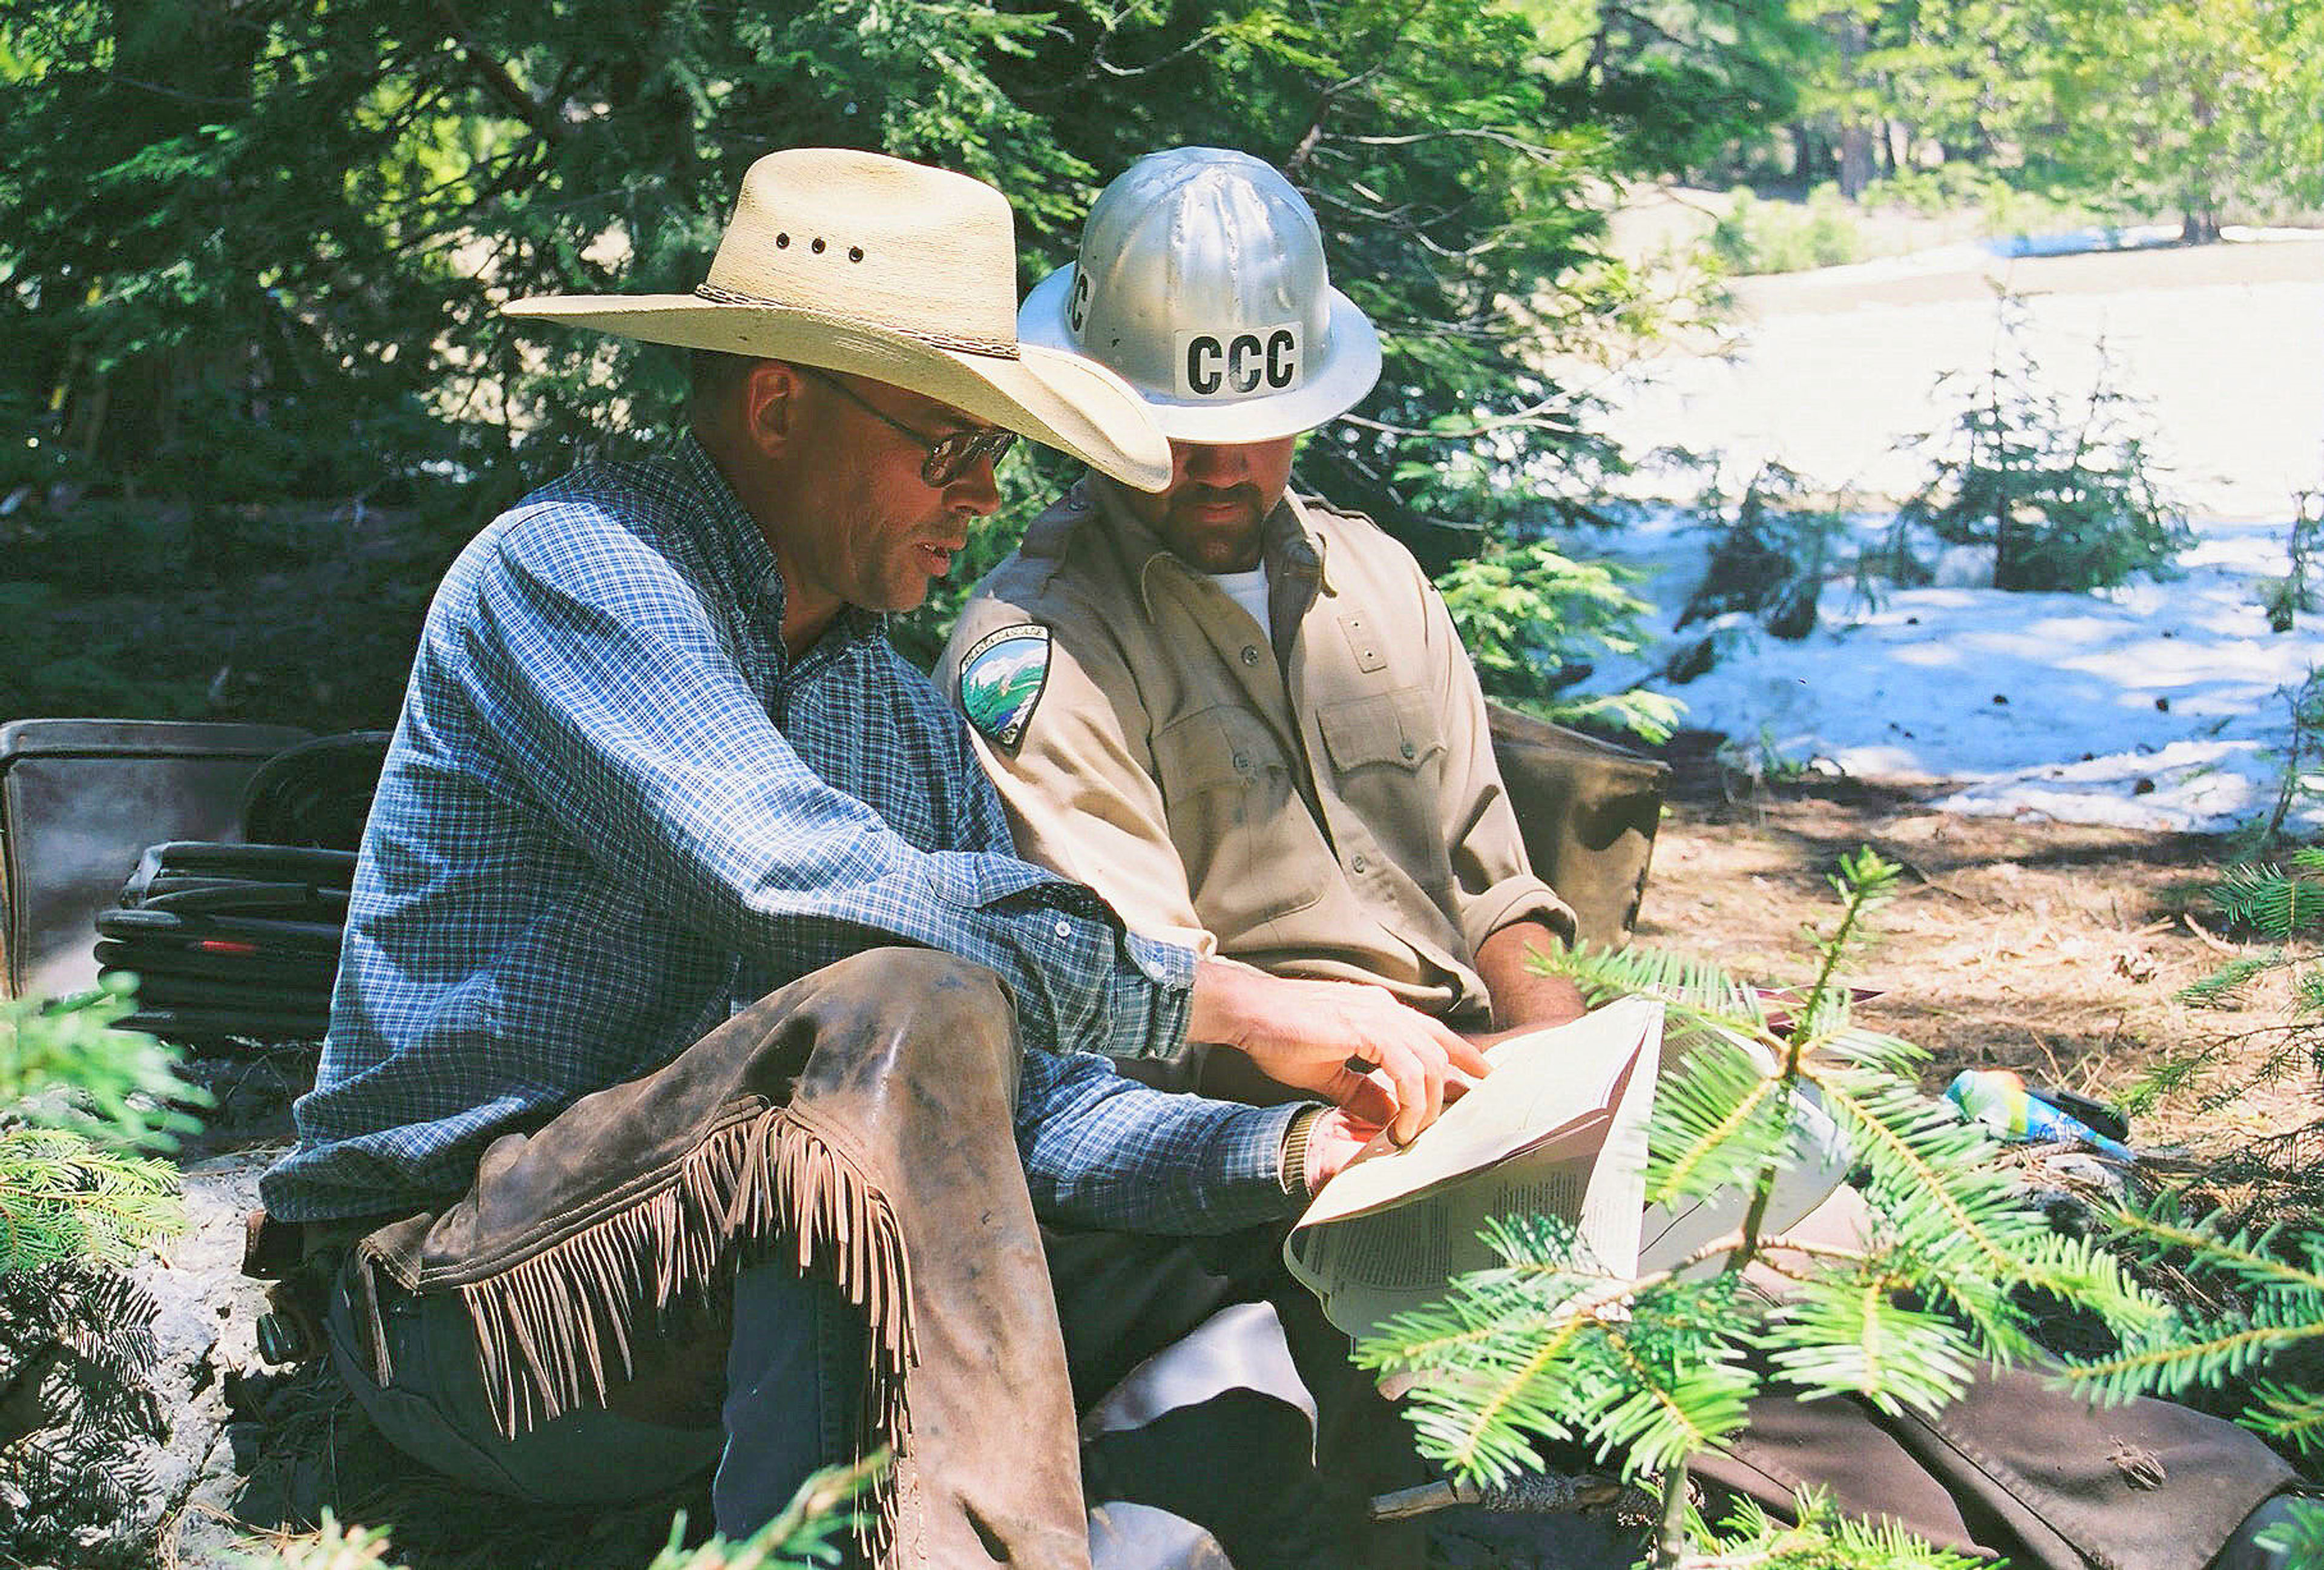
(1855, 137)
(1855, 158)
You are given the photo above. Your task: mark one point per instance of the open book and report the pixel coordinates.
(1558, 1128)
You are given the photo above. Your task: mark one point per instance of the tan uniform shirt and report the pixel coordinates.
(1325, 806)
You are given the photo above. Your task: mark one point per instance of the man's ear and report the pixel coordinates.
(768, 404)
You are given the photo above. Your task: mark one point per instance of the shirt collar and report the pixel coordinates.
(1289, 544)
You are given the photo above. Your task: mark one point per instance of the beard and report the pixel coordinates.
(1217, 541)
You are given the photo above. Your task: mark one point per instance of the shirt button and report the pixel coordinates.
(1407, 749)
(1358, 865)
(1250, 653)
(1065, 929)
(1243, 762)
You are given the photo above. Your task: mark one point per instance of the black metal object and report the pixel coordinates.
(229, 941)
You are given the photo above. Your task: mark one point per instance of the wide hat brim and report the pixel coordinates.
(1052, 396)
(1351, 371)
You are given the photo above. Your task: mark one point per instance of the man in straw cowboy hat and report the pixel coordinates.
(1253, 729)
(701, 1055)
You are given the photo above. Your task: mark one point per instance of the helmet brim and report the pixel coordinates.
(1351, 373)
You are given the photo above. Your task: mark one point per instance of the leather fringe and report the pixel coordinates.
(544, 1327)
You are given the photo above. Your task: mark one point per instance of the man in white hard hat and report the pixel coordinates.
(701, 1055)
(1240, 715)
(1244, 718)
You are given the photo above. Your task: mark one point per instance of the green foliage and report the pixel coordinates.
(2300, 1542)
(2255, 1323)
(258, 255)
(2274, 1293)
(1540, 1348)
(805, 1533)
(78, 1356)
(1991, 206)
(2297, 592)
(252, 255)
(1746, 768)
(2201, 106)
(2299, 765)
(1769, 556)
(65, 1066)
(2283, 905)
(1657, 1368)
(83, 1097)
(2069, 497)
(63, 1198)
(1758, 236)
(1822, 1540)
(1534, 620)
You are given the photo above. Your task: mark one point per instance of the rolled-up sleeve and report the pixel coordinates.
(1493, 882)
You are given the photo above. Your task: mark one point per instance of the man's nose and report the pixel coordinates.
(975, 490)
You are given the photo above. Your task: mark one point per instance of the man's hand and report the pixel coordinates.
(1307, 1034)
(1337, 1138)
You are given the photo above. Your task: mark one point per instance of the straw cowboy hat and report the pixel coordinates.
(856, 261)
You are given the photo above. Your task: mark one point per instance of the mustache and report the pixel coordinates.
(1196, 496)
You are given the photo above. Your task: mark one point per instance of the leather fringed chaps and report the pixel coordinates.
(857, 1123)
(542, 1326)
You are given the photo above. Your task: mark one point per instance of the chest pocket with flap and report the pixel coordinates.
(1215, 749)
(1394, 728)
(1387, 767)
(1250, 850)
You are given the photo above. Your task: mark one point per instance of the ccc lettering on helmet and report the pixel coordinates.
(1238, 364)
(1077, 311)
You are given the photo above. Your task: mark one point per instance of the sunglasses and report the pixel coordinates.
(948, 456)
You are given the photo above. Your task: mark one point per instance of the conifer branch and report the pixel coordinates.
(1654, 1369)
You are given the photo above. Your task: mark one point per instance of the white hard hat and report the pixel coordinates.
(1202, 284)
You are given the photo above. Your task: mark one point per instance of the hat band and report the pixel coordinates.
(996, 348)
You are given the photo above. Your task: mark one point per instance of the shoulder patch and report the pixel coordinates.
(1002, 678)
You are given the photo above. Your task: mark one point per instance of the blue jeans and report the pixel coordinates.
(794, 1377)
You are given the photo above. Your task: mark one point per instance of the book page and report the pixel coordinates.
(1558, 1128)
(1370, 1268)
(1816, 1165)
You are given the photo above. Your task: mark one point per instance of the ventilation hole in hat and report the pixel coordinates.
(855, 252)
(782, 242)
(817, 247)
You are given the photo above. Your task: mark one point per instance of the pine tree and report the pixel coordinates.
(1647, 1372)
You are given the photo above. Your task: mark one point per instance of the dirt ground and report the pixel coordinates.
(2047, 948)
(2052, 948)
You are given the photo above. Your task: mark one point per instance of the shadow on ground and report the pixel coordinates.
(303, 1447)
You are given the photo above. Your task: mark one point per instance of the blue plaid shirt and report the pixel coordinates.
(616, 812)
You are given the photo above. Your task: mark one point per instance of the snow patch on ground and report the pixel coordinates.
(2156, 706)
(2160, 705)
